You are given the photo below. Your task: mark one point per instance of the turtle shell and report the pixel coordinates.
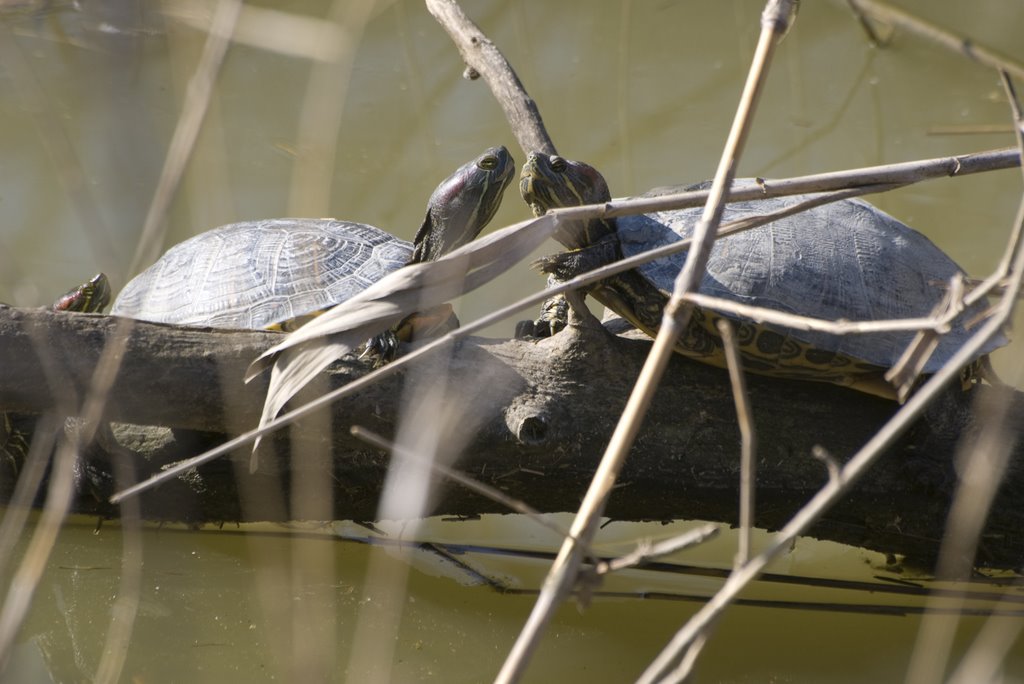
(844, 260)
(255, 274)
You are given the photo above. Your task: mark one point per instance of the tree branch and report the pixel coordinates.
(485, 59)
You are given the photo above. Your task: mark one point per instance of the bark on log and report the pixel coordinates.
(538, 415)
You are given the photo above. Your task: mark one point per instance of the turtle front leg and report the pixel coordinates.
(419, 325)
(557, 311)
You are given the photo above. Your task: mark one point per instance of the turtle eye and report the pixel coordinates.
(487, 163)
(558, 165)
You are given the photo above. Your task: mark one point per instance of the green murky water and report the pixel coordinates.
(644, 90)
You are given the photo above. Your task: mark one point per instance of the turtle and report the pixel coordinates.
(276, 273)
(92, 296)
(843, 260)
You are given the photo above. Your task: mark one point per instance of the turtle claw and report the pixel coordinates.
(554, 316)
(381, 349)
(422, 325)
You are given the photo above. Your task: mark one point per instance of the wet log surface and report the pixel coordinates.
(535, 416)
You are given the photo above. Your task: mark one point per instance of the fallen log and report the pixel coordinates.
(535, 417)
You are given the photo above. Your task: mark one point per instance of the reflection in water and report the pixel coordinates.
(201, 618)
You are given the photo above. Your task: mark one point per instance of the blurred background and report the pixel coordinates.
(90, 93)
(645, 91)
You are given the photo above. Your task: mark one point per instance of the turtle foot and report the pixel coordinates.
(417, 326)
(554, 316)
(381, 349)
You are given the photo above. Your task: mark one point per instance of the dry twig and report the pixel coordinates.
(550, 222)
(853, 469)
(484, 59)
(882, 12)
(748, 438)
(29, 573)
(646, 552)
(983, 465)
(775, 22)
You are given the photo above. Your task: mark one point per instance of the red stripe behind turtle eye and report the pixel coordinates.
(597, 187)
(453, 187)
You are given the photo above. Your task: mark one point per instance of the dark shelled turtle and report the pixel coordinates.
(844, 260)
(275, 273)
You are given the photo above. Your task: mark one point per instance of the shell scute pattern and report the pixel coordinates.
(220, 278)
(845, 260)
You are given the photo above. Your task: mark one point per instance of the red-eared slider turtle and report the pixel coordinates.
(91, 296)
(844, 260)
(264, 274)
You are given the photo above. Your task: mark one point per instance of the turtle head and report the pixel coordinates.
(464, 204)
(89, 297)
(550, 182)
